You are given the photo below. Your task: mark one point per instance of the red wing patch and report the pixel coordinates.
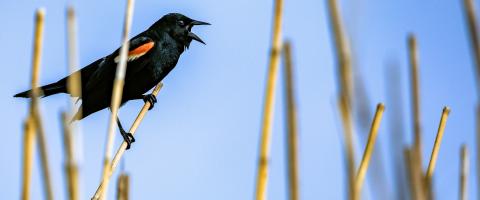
(137, 52)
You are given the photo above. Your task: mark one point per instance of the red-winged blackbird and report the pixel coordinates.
(152, 55)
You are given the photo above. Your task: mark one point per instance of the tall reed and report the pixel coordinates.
(117, 95)
(34, 110)
(345, 83)
(268, 104)
(291, 116)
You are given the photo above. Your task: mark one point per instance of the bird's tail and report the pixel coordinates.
(47, 90)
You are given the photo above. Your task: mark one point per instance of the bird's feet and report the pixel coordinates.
(128, 138)
(152, 99)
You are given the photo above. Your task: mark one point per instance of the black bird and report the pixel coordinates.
(152, 55)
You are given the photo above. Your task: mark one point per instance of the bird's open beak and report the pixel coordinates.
(192, 35)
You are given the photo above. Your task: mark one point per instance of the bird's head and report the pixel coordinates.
(179, 27)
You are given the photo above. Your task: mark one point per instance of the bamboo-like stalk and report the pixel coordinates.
(345, 83)
(71, 167)
(28, 150)
(438, 141)
(34, 110)
(74, 80)
(413, 55)
(75, 89)
(291, 117)
(123, 187)
(367, 154)
(416, 185)
(416, 116)
(464, 172)
(435, 150)
(123, 146)
(268, 104)
(117, 95)
(475, 41)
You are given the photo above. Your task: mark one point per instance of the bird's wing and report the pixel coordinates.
(139, 46)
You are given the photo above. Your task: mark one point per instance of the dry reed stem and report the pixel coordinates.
(74, 88)
(416, 116)
(464, 172)
(269, 102)
(473, 29)
(34, 110)
(117, 95)
(345, 82)
(435, 150)
(123, 146)
(291, 116)
(123, 187)
(413, 55)
(416, 185)
(362, 169)
(28, 149)
(438, 140)
(475, 43)
(74, 80)
(71, 167)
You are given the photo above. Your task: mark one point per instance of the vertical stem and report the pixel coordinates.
(74, 88)
(345, 83)
(291, 116)
(473, 29)
(367, 154)
(413, 52)
(117, 95)
(269, 102)
(71, 167)
(28, 149)
(74, 80)
(464, 172)
(123, 187)
(475, 43)
(415, 99)
(34, 110)
(416, 185)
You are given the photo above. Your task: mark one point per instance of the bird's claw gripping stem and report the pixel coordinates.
(152, 99)
(128, 138)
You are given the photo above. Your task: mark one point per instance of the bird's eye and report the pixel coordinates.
(181, 23)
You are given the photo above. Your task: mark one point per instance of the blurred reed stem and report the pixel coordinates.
(464, 172)
(415, 99)
(123, 187)
(74, 80)
(268, 104)
(123, 146)
(474, 40)
(475, 44)
(74, 88)
(291, 117)
(345, 83)
(117, 95)
(28, 150)
(71, 167)
(34, 110)
(416, 185)
(367, 154)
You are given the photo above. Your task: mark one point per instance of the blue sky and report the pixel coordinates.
(201, 140)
